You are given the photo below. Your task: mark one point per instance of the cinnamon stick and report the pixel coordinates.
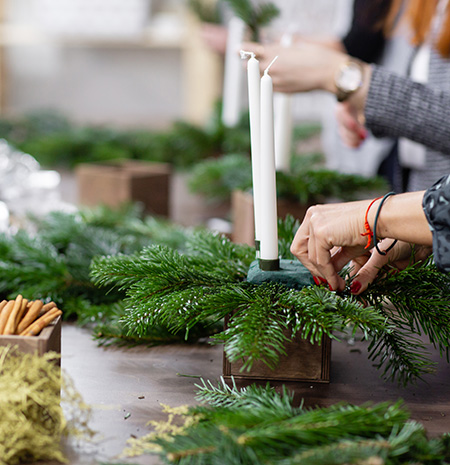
(31, 315)
(4, 316)
(22, 311)
(10, 327)
(35, 328)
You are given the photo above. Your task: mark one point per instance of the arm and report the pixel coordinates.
(396, 106)
(391, 105)
(331, 226)
(436, 205)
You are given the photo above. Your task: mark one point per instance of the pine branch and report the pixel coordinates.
(255, 16)
(258, 426)
(418, 299)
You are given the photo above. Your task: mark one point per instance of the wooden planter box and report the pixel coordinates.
(114, 183)
(49, 339)
(243, 215)
(303, 362)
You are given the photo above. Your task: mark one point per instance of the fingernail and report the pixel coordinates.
(316, 280)
(329, 287)
(323, 280)
(355, 287)
(363, 133)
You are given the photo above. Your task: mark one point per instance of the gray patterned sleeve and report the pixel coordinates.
(436, 205)
(398, 107)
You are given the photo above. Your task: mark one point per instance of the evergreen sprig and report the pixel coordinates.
(255, 15)
(208, 283)
(307, 182)
(52, 263)
(256, 425)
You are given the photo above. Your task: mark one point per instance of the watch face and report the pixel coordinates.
(350, 77)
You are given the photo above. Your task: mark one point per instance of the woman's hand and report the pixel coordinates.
(332, 235)
(303, 67)
(351, 131)
(365, 268)
(326, 227)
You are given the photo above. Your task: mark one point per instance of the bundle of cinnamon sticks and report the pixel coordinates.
(26, 318)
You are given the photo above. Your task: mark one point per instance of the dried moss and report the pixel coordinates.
(33, 422)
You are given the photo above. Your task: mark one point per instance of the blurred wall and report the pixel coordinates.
(131, 81)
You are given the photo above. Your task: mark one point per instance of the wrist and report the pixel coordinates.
(402, 217)
(347, 78)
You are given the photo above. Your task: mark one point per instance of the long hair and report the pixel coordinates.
(419, 14)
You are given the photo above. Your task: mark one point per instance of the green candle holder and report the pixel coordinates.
(291, 273)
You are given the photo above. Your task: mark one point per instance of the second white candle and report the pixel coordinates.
(268, 204)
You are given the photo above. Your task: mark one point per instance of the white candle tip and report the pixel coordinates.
(245, 54)
(266, 71)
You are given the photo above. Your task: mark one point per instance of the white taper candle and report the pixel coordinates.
(283, 123)
(269, 226)
(254, 103)
(233, 74)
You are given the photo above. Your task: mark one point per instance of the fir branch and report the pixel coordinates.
(255, 16)
(206, 10)
(216, 178)
(306, 182)
(258, 426)
(257, 314)
(223, 395)
(286, 229)
(416, 299)
(221, 253)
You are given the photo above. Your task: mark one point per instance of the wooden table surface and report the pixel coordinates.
(126, 387)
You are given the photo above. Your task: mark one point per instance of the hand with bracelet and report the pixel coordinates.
(332, 235)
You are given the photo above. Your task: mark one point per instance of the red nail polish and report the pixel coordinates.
(316, 280)
(329, 287)
(323, 280)
(355, 287)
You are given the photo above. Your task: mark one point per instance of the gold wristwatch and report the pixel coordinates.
(348, 79)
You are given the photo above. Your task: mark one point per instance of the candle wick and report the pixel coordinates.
(245, 54)
(266, 71)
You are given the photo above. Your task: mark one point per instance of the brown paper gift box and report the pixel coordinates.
(117, 182)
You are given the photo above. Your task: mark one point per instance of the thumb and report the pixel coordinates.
(368, 272)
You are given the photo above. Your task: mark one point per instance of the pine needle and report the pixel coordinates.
(257, 426)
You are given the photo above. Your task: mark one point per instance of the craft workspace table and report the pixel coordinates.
(125, 387)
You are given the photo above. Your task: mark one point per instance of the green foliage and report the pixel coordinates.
(307, 182)
(259, 426)
(53, 141)
(254, 15)
(217, 178)
(53, 264)
(286, 227)
(208, 282)
(206, 11)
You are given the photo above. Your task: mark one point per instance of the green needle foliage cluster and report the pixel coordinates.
(256, 425)
(255, 15)
(55, 141)
(53, 261)
(178, 290)
(306, 182)
(206, 10)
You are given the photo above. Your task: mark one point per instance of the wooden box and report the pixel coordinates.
(243, 215)
(117, 182)
(49, 339)
(303, 362)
